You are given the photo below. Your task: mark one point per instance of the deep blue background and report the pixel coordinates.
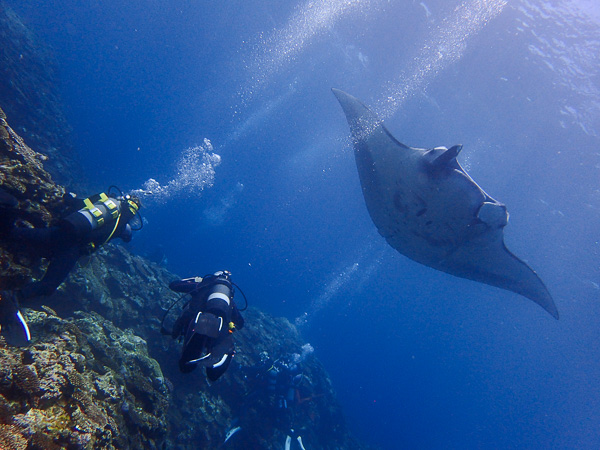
(419, 359)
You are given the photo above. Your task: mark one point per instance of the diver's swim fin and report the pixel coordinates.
(12, 323)
(288, 440)
(231, 432)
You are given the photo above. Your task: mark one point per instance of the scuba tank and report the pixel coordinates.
(99, 210)
(216, 316)
(218, 300)
(101, 217)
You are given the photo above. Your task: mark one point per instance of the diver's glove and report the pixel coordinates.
(12, 323)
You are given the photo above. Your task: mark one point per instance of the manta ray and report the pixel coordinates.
(429, 209)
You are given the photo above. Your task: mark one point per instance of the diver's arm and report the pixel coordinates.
(186, 285)
(126, 235)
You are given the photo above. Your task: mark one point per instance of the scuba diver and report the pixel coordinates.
(283, 380)
(277, 385)
(97, 220)
(207, 323)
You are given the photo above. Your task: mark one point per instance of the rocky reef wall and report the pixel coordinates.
(99, 374)
(29, 95)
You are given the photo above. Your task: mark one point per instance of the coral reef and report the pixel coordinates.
(83, 383)
(24, 176)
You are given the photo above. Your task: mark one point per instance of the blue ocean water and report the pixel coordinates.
(419, 359)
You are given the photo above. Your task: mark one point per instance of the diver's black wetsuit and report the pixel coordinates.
(99, 219)
(64, 243)
(207, 323)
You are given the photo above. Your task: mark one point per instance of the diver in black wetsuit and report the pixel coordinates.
(275, 396)
(284, 378)
(207, 323)
(99, 219)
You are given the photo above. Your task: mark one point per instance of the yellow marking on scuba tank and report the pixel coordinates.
(231, 327)
(94, 211)
(108, 203)
(98, 215)
(112, 207)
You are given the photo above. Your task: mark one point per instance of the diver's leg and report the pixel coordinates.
(222, 350)
(44, 241)
(299, 439)
(12, 323)
(57, 271)
(180, 324)
(192, 351)
(219, 368)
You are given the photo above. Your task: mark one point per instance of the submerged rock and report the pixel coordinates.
(67, 388)
(22, 174)
(30, 98)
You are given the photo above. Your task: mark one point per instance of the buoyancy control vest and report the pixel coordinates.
(98, 221)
